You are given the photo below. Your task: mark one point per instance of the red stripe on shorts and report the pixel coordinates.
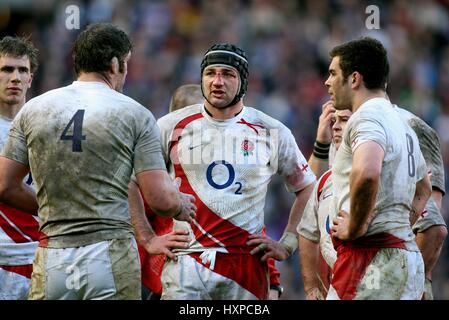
(247, 270)
(353, 258)
(24, 270)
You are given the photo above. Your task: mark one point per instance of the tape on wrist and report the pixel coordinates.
(322, 145)
(321, 150)
(289, 241)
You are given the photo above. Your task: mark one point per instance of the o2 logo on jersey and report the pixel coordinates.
(231, 177)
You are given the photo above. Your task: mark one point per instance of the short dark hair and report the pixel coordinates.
(97, 45)
(366, 56)
(18, 47)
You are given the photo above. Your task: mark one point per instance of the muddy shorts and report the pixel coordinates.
(103, 270)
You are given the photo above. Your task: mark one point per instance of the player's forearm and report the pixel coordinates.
(289, 239)
(13, 191)
(142, 228)
(298, 208)
(318, 166)
(21, 197)
(364, 187)
(422, 194)
(160, 192)
(167, 203)
(308, 261)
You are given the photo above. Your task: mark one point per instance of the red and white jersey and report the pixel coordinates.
(18, 230)
(227, 165)
(316, 221)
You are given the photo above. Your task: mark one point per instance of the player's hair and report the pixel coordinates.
(95, 47)
(186, 95)
(366, 56)
(18, 47)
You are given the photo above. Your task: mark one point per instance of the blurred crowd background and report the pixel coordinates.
(287, 43)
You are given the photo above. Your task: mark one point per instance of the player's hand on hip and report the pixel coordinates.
(324, 131)
(177, 239)
(340, 226)
(268, 247)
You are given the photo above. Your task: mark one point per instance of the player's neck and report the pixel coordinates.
(95, 77)
(223, 113)
(9, 111)
(365, 95)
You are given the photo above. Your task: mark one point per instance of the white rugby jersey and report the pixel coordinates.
(18, 230)
(316, 221)
(429, 144)
(227, 166)
(82, 143)
(403, 165)
(430, 147)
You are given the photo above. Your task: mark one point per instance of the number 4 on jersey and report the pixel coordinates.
(77, 136)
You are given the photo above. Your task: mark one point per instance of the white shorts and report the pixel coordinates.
(14, 285)
(378, 274)
(429, 218)
(103, 270)
(189, 279)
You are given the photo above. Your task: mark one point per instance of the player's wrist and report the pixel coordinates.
(289, 241)
(146, 239)
(321, 150)
(356, 232)
(322, 142)
(277, 287)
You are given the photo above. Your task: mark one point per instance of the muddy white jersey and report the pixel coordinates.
(403, 165)
(227, 166)
(430, 147)
(82, 143)
(316, 221)
(18, 230)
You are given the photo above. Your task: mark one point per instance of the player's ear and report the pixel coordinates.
(30, 80)
(356, 80)
(115, 67)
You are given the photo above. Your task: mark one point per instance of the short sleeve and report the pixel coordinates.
(148, 151)
(16, 147)
(291, 164)
(431, 150)
(365, 129)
